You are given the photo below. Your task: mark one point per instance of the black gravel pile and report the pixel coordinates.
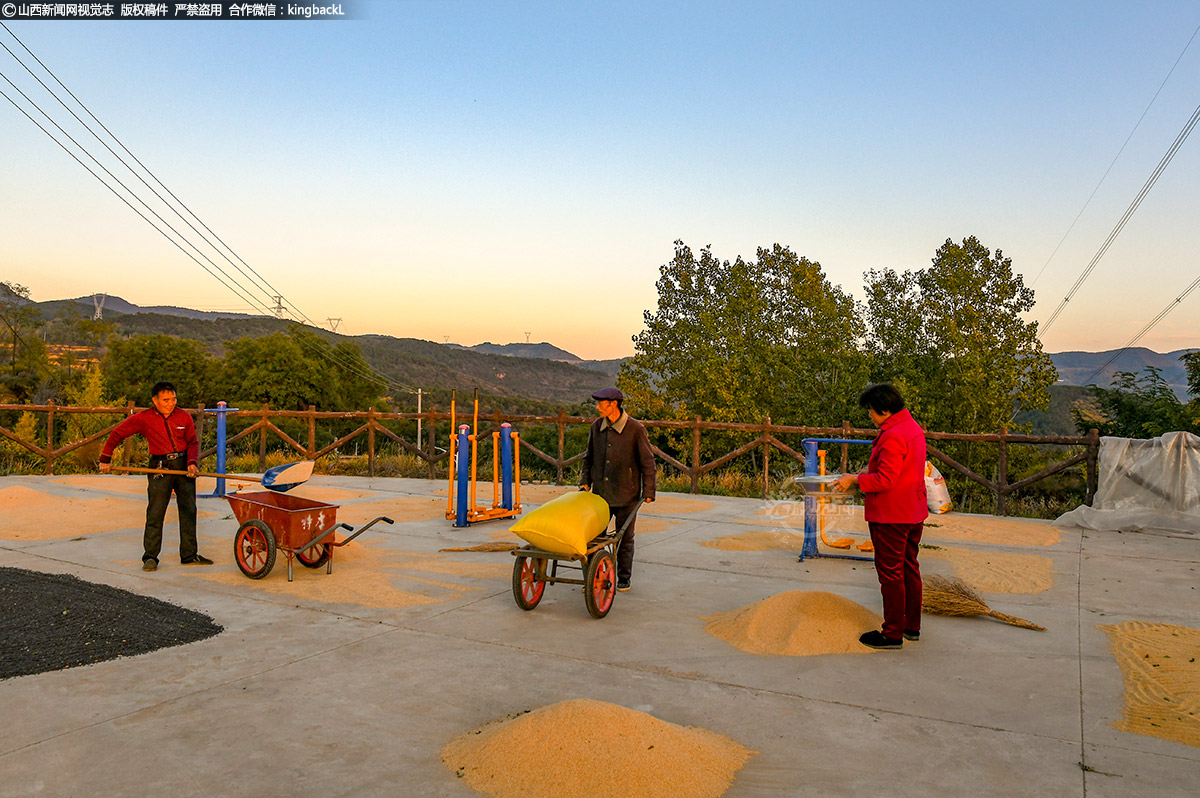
(53, 621)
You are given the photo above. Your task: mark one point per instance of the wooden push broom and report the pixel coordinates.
(942, 596)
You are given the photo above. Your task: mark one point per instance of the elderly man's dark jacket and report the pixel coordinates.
(618, 461)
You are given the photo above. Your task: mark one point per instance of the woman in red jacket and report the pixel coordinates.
(896, 509)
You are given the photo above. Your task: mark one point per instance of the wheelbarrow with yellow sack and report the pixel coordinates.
(569, 534)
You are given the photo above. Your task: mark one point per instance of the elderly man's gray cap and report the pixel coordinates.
(611, 394)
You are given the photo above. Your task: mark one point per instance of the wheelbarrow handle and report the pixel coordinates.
(362, 529)
(321, 537)
(633, 513)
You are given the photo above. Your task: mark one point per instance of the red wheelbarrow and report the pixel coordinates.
(301, 528)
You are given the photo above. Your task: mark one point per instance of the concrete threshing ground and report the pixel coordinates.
(351, 683)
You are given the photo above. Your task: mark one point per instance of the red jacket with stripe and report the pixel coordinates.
(164, 434)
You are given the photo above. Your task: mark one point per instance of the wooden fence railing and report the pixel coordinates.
(372, 426)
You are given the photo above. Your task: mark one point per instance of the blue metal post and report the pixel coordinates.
(810, 458)
(506, 466)
(221, 409)
(463, 454)
(810, 504)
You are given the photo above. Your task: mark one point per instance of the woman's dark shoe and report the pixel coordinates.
(875, 639)
(911, 635)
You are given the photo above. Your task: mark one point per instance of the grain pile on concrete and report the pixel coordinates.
(1161, 666)
(585, 747)
(798, 623)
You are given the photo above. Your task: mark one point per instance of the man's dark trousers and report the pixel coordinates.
(625, 550)
(158, 495)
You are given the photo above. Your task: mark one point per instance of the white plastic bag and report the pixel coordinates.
(936, 492)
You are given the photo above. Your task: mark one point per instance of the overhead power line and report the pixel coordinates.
(1133, 206)
(1150, 325)
(1104, 176)
(256, 295)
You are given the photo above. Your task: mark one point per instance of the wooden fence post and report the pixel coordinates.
(262, 441)
(50, 437)
(371, 442)
(312, 433)
(766, 458)
(432, 448)
(1002, 473)
(695, 472)
(126, 446)
(562, 433)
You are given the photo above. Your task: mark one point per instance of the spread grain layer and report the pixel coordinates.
(53, 621)
(1161, 666)
(586, 747)
(797, 623)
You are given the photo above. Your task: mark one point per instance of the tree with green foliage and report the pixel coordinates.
(1137, 406)
(953, 339)
(742, 340)
(133, 365)
(1191, 366)
(297, 368)
(26, 366)
(88, 391)
(18, 317)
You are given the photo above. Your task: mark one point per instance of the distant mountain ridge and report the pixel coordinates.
(544, 350)
(115, 304)
(547, 351)
(1075, 368)
(1079, 368)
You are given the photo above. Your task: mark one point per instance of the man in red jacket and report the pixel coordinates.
(171, 437)
(896, 509)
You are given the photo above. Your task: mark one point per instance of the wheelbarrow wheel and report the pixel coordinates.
(527, 588)
(600, 584)
(315, 557)
(254, 549)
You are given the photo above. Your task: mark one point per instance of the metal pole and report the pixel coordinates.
(506, 457)
(462, 470)
(221, 409)
(809, 548)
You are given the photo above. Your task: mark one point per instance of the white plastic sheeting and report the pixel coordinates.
(1152, 484)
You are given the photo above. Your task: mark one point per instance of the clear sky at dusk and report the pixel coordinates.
(479, 170)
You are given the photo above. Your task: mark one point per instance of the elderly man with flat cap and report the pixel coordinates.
(619, 468)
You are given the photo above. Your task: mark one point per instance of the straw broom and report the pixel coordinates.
(942, 596)
(497, 546)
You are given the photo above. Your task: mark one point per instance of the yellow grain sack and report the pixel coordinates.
(565, 525)
(936, 492)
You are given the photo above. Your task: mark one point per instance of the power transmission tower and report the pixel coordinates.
(98, 303)
(278, 309)
(333, 324)
(527, 337)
